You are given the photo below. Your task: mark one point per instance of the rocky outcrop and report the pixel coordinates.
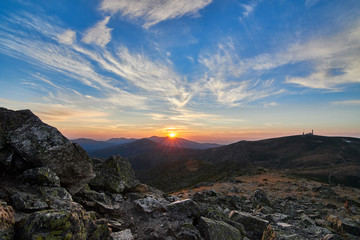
(26, 142)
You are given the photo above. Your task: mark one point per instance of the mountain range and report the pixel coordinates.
(334, 160)
(171, 164)
(130, 146)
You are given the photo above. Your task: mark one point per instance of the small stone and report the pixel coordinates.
(149, 204)
(306, 221)
(277, 217)
(123, 235)
(284, 225)
(332, 237)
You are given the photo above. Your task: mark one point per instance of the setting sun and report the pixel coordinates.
(172, 134)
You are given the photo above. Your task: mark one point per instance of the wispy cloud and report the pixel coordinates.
(154, 11)
(146, 81)
(100, 34)
(271, 104)
(67, 37)
(310, 3)
(152, 77)
(335, 60)
(225, 78)
(62, 59)
(347, 102)
(248, 8)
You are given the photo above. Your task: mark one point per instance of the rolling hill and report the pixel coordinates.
(327, 159)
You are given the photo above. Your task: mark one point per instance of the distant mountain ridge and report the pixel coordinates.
(328, 159)
(131, 146)
(90, 145)
(182, 143)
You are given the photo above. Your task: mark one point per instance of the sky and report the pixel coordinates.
(210, 70)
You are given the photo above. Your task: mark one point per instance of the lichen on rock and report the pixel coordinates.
(114, 175)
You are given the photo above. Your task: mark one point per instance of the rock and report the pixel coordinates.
(344, 225)
(28, 201)
(332, 237)
(186, 233)
(334, 221)
(254, 226)
(260, 197)
(52, 224)
(149, 204)
(98, 202)
(325, 191)
(7, 221)
(214, 230)
(184, 209)
(41, 197)
(350, 226)
(322, 223)
(213, 211)
(317, 231)
(235, 190)
(283, 225)
(123, 235)
(306, 221)
(114, 175)
(40, 145)
(57, 193)
(42, 176)
(278, 217)
(56, 197)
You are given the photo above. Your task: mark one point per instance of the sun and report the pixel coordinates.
(172, 134)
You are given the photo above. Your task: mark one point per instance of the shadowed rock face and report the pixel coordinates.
(27, 142)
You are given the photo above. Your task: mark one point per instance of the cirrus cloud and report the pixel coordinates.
(154, 11)
(100, 34)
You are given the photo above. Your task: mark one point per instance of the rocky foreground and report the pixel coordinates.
(51, 189)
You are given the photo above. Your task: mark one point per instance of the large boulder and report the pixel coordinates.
(114, 175)
(53, 224)
(26, 142)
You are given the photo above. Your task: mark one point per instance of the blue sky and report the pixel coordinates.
(210, 70)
